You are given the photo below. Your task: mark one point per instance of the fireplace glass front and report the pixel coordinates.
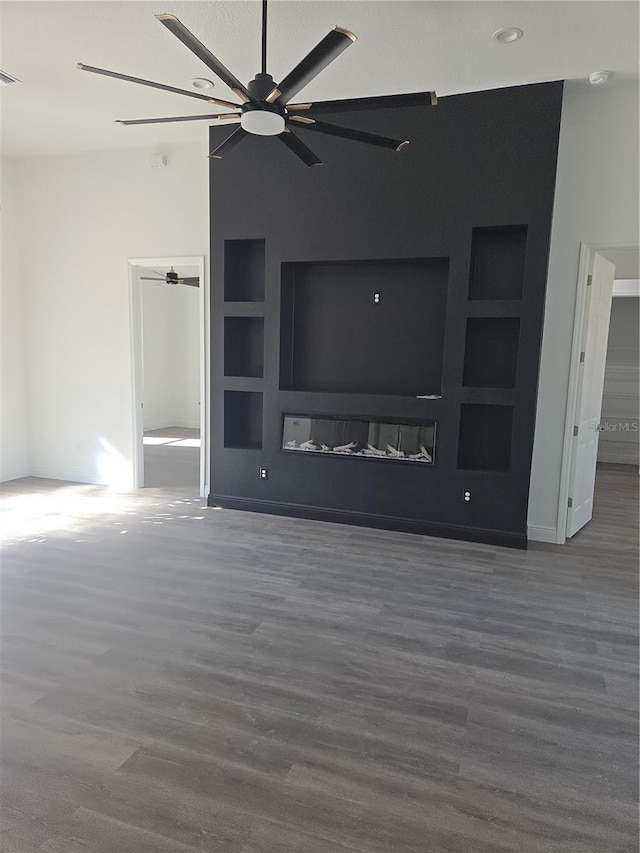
(360, 438)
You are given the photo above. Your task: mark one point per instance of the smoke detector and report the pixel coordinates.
(597, 78)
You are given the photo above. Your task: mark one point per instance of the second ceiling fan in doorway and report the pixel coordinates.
(172, 277)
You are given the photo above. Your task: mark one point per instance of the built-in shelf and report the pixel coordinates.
(243, 420)
(492, 308)
(244, 346)
(244, 271)
(244, 309)
(497, 262)
(491, 352)
(484, 440)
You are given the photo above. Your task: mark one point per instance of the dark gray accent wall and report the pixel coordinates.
(474, 187)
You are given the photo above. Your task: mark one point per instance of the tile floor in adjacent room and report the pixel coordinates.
(177, 678)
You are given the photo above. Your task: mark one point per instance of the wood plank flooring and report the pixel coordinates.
(177, 678)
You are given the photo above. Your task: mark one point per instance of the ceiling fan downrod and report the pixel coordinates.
(264, 36)
(263, 83)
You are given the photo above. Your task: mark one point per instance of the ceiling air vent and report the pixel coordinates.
(5, 79)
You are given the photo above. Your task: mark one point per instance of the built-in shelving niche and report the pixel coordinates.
(244, 270)
(491, 352)
(497, 262)
(243, 420)
(364, 327)
(484, 439)
(244, 346)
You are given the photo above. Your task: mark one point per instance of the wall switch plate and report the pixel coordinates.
(264, 473)
(466, 496)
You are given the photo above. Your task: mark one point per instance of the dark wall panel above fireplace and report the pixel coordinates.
(452, 233)
(364, 327)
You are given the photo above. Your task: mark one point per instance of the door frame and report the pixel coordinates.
(137, 370)
(585, 265)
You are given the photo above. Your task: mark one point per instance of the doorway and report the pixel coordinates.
(169, 300)
(605, 334)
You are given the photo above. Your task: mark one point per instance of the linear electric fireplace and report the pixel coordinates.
(360, 438)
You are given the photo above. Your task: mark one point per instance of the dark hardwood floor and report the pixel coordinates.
(178, 679)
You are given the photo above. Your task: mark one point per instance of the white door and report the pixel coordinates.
(591, 383)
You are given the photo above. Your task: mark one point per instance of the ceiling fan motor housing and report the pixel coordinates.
(261, 86)
(260, 117)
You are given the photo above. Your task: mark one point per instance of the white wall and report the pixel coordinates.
(157, 355)
(186, 362)
(171, 356)
(87, 214)
(14, 444)
(596, 203)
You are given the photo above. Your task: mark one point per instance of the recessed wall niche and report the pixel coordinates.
(243, 420)
(244, 346)
(491, 352)
(244, 270)
(497, 262)
(484, 440)
(364, 327)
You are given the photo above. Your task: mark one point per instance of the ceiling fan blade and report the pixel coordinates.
(314, 62)
(230, 142)
(217, 101)
(175, 118)
(348, 133)
(190, 282)
(148, 278)
(298, 147)
(203, 53)
(381, 102)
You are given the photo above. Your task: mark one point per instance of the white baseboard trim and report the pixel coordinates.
(16, 473)
(158, 425)
(187, 424)
(71, 476)
(542, 534)
(184, 424)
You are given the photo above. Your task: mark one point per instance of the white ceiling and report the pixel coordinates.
(401, 47)
(627, 262)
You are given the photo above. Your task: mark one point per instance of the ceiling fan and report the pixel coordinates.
(172, 277)
(265, 109)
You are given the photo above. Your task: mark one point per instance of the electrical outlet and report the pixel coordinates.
(466, 496)
(376, 298)
(264, 473)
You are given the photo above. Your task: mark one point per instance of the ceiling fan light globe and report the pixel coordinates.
(262, 123)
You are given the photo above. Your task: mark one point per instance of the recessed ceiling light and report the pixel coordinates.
(597, 78)
(202, 83)
(507, 35)
(5, 79)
